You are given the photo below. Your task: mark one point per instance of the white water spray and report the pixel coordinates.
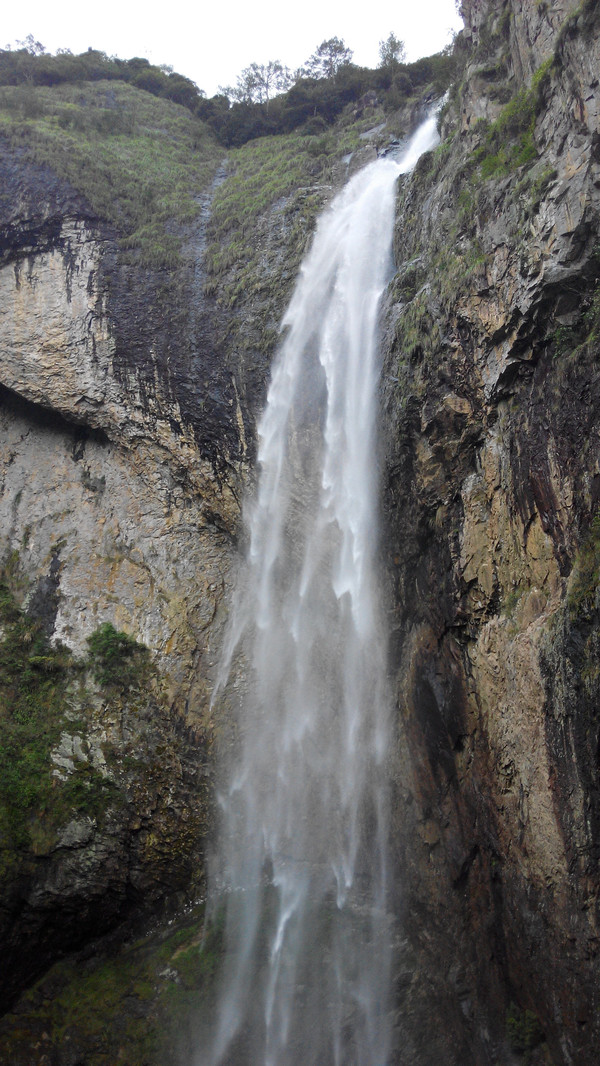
(303, 847)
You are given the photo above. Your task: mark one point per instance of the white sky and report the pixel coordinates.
(211, 42)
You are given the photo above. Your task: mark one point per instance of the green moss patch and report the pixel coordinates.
(585, 575)
(582, 334)
(509, 141)
(37, 683)
(117, 659)
(524, 1032)
(43, 695)
(136, 1005)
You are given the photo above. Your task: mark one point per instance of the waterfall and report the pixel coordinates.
(302, 853)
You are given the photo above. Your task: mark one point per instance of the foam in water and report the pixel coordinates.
(302, 851)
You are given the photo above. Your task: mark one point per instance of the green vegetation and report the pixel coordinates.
(36, 680)
(415, 333)
(408, 281)
(40, 684)
(320, 92)
(142, 144)
(512, 599)
(585, 575)
(509, 141)
(141, 163)
(116, 658)
(524, 1032)
(325, 98)
(136, 1005)
(281, 174)
(32, 65)
(585, 331)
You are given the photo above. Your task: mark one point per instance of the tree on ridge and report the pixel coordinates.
(258, 83)
(327, 59)
(391, 51)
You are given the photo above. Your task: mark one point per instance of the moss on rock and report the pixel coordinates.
(134, 1003)
(99, 793)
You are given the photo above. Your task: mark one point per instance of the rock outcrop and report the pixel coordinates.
(115, 508)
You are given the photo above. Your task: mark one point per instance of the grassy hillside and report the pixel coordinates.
(142, 162)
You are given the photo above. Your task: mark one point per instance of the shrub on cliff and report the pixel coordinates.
(116, 658)
(35, 679)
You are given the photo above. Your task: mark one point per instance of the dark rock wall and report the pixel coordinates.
(492, 453)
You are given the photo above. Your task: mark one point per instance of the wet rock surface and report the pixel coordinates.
(490, 401)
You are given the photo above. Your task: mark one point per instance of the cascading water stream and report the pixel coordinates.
(302, 853)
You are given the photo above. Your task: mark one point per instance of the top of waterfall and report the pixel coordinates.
(406, 153)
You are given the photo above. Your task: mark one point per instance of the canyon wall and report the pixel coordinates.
(114, 510)
(491, 466)
(129, 391)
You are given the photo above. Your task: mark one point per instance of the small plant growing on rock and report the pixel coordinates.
(524, 1031)
(116, 658)
(585, 576)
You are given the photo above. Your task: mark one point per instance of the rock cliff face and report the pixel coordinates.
(114, 508)
(492, 456)
(128, 396)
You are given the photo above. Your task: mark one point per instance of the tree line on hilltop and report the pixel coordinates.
(266, 99)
